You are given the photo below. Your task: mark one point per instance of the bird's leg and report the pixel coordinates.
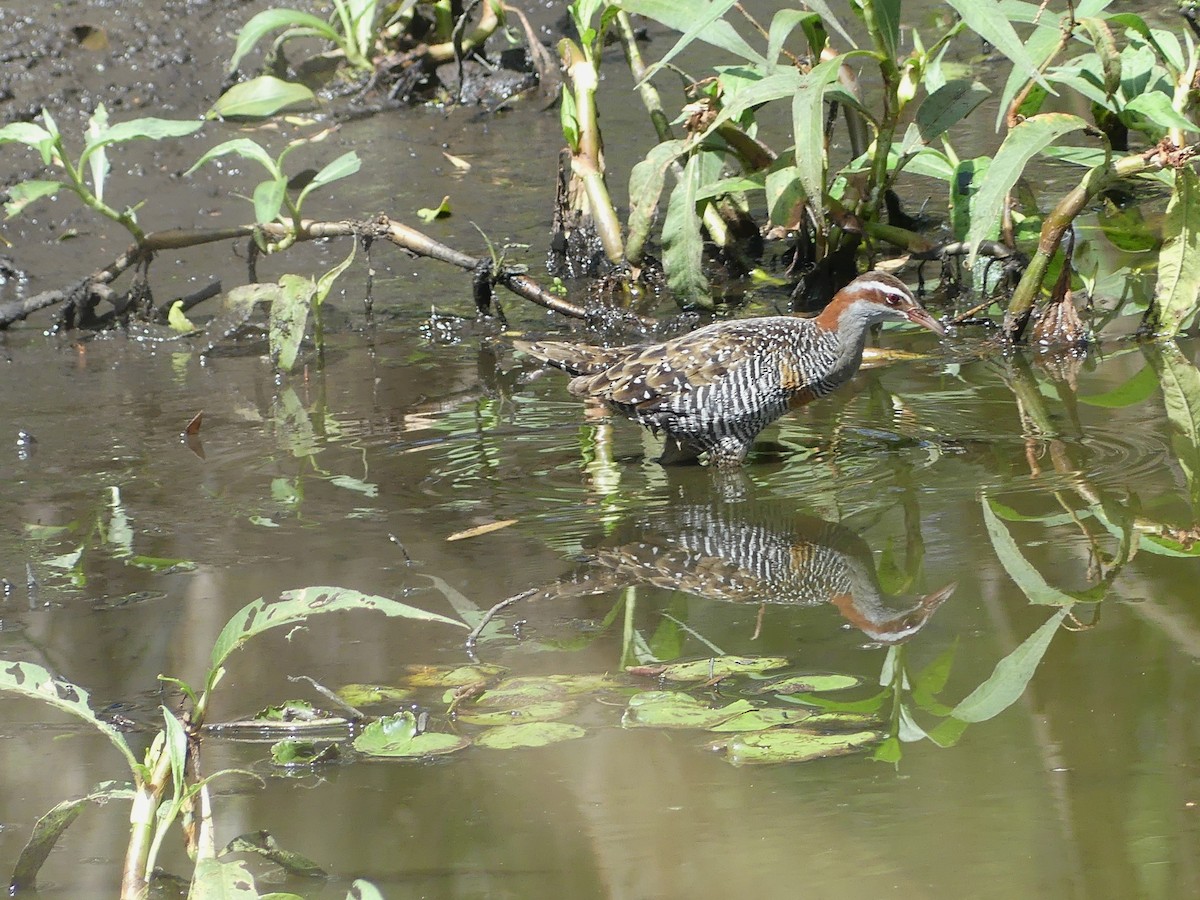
(678, 453)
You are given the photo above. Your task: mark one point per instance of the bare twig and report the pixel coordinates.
(473, 637)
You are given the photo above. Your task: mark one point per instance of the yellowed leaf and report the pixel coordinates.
(481, 529)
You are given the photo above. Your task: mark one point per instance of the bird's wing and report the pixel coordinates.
(574, 359)
(660, 375)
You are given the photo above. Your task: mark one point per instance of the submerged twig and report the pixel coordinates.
(473, 637)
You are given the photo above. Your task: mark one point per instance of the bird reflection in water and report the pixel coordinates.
(749, 552)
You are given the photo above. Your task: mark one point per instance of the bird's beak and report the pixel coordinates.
(918, 315)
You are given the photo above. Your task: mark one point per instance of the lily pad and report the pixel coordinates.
(291, 753)
(397, 737)
(706, 669)
(762, 719)
(545, 711)
(451, 676)
(803, 684)
(529, 734)
(367, 694)
(792, 745)
(514, 692)
(668, 709)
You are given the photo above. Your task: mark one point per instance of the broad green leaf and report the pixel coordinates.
(762, 719)
(791, 745)
(290, 752)
(25, 133)
(397, 737)
(947, 106)
(785, 196)
(670, 709)
(782, 25)
(1137, 389)
(369, 694)
(541, 711)
(1180, 382)
(523, 691)
(32, 681)
(262, 96)
(683, 246)
(245, 148)
(707, 15)
(451, 676)
(299, 605)
(1024, 142)
(21, 195)
(989, 22)
(177, 319)
(50, 827)
(236, 308)
(707, 669)
(887, 20)
(1010, 677)
(1156, 106)
(270, 20)
(804, 684)
(325, 282)
(289, 316)
(214, 879)
(428, 214)
(263, 843)
(645, 187)
(342, 167)
(268, 200)
(531, 734)
(1178, 285)
(822, 8)
(681, 14)
(1106, 50)
(808, 131)
(1028, 579)
(149, 128)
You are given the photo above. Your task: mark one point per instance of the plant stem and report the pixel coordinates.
(141, 822)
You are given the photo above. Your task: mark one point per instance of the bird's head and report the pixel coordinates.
(875, 296)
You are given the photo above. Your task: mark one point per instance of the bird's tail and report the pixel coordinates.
(575, 359)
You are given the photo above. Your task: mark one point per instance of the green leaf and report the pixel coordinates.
(989, 22)
(1156, 106)
(1028, 579)
(452, 676)
(645, 187)
(268, 199)
(1178, 285)
(541, 711)
(707, 669)
(682, 14)
(1024, 142)
(706, 15)
(369, 694)
(50, 827)
(782, 25)
(290, 752)
(524, 691)
(785, 196)
(246, 149)
(683, 246)
(149, 128)
(25, 133)
(32, 681)
(263, 843)
(441, 211)
(762, 719)
(213, 879)
(822, 8)
(792, 745)
(397, 737)
(1137, 389)
(160, 564)
(808, 130)
(270, 20)
(1011, 676)
(1180, 381)
(887, 21)
(21, 195)
(258, 97)
(532, 734)
(669, 709)
(1106, 50)
(947, 106)
(94, 153)
(805, 684)
(177, 319)
(299, 605)
(342, 167)
(325, 282)
(289, 316)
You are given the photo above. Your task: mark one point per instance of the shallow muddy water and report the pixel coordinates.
(1076, 772)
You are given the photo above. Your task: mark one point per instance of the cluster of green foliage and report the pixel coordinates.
(1136, 79)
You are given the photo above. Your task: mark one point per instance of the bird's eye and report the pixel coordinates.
(893, 301)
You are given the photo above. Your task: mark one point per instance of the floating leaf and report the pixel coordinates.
(1011, 675)
(541, 711)
(808, 683)
(668, 709)
(368, 694)
(397, 736)
(707, 669)
(160, 564)
(451, 676)
(532, 734)
(791, 745)
(514, 692)
(291, 753)
(215, 879)
(263, 843)
(762, 719)
(262, 96)
(425, 214)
